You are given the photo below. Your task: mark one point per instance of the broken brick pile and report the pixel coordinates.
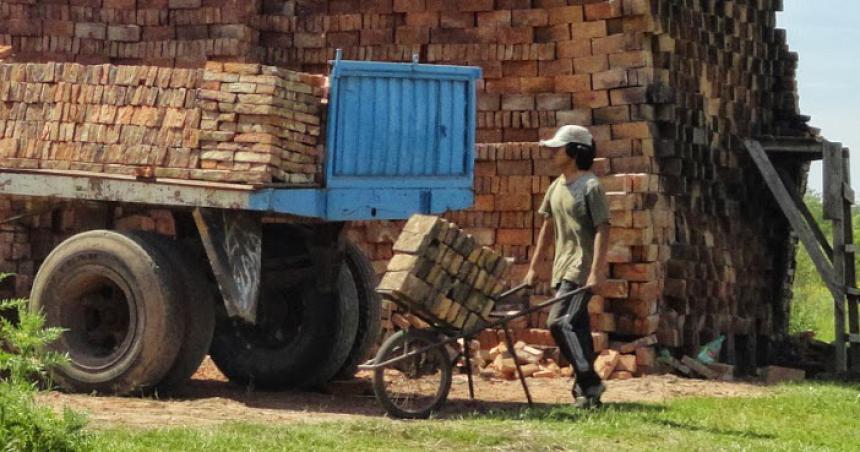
(539, 356)
(229, 122)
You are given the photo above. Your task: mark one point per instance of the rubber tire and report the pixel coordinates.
(138, 268)
(379, 382)
(328, 327)
(197, 302)
(369, 311)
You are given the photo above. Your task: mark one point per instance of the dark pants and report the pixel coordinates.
(570, 326)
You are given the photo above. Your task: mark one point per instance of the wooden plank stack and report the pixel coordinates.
(230, 122)
(442, 274)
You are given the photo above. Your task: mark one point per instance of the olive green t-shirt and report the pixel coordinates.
(576, 209)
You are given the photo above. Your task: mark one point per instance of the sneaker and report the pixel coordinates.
(590, 399)
(595, 392)
(584, 403)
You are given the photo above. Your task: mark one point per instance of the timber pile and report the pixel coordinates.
(230, 122)
(440, 273)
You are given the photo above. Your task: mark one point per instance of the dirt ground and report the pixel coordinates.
(209, 399)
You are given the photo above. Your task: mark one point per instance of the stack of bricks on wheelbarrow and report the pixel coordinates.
(228, 122)
(669, 88)
(443, 275)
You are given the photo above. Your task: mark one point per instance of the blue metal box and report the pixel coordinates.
(400, 140)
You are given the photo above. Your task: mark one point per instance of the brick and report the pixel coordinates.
(124, 33)
(90, 30)
(572, 83)
(184, 4)
(514, 237)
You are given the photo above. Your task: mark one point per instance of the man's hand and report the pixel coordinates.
(529, 280)
(595, 279)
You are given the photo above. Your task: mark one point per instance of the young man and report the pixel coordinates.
(576, 213)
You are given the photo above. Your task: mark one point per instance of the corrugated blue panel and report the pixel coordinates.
(395, 125)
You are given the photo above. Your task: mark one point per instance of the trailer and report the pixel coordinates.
(261, 277)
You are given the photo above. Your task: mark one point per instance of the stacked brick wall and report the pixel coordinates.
(668, 88)
(180, 33)
(732, 77)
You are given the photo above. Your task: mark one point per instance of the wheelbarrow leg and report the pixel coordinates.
(468, 354)
(513, 352)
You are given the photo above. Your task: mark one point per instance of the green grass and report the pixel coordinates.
(812, 310)
(797, 417)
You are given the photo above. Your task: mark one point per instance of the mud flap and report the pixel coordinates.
(233, 242)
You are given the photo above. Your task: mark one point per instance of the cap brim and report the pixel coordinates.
(554, 143)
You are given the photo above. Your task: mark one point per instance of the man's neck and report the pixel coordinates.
(572, 173)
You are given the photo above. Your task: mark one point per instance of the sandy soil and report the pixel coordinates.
(209, 399)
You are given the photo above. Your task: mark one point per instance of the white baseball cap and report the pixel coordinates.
(569, 134)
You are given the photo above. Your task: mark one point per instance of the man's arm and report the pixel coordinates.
(601, 249)
(545, 237)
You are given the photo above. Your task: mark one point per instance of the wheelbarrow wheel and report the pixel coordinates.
(415, 387)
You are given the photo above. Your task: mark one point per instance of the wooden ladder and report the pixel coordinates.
(835, 263)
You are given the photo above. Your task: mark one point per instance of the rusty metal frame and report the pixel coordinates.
(233, 242)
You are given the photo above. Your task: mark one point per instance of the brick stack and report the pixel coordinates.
(233, 123)
(668, 88)
(180, 33)
(732, 77)
(97, 118)
(442, 274)
(262, 119)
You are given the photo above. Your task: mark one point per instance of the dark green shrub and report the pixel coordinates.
(24, 363)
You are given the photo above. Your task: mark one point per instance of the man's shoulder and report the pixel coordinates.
(587, 182)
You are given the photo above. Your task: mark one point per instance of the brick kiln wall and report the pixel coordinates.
(667, 87)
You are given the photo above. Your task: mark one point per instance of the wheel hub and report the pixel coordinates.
(99, 320)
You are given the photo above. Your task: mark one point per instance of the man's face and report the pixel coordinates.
(560, 158)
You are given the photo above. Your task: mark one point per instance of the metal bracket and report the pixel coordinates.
(233, 243)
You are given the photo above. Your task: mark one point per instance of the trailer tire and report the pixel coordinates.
(116, 298)
(196, 299)
(285, 356)
(369, 311)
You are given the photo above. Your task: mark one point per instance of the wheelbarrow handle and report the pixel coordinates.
(514, 290)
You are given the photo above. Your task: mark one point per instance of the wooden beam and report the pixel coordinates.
(835, 201)
(792, 212)
(804, 210)
(851, 302)
(802, 147)
(833, 193)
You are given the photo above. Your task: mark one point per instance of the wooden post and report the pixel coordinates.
(834, 202)
(850, 271)
(802, 228)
